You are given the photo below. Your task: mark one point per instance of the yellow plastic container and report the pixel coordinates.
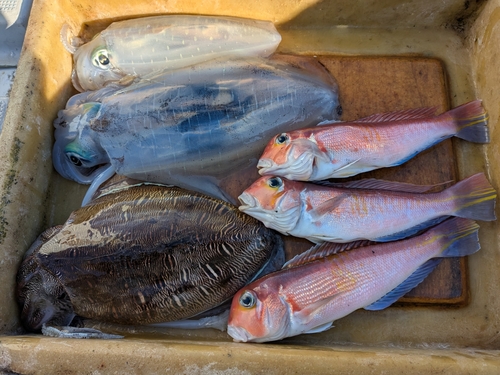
(465, 36)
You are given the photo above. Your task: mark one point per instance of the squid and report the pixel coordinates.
(191, 127)
(136, 47)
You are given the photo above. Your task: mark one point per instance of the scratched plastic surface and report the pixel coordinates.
(140, 46)
(193, 126)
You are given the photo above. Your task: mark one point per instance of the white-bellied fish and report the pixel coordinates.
(368, 209)
(343, 149)
(324, 285)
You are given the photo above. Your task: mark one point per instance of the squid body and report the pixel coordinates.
(136, 47)
(193, 126)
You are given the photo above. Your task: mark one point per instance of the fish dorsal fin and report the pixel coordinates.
(406, 114)
(323, 250)
(375, 184)
(411, 282)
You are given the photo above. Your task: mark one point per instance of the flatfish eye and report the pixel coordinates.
(248, 299)
(275, 182)
(100, 58)
(282, 139)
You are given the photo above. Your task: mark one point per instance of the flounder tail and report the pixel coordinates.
(472, 122)
(475, 198)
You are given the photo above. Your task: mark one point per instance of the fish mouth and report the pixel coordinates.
(247, 201)
(300, 168)
(239, 334)
(265, 164)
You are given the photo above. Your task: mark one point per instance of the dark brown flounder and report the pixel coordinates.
(140, 255)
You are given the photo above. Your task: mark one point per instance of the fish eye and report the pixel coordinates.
(282, 138)
(248, 299)
(275, 182)
(101, 58)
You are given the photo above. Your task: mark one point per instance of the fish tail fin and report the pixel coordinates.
(475, 198)
(458, 236)
(472, 122)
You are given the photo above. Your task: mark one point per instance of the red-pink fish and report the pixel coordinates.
(367, 209)
(342, 149)
(324, 285)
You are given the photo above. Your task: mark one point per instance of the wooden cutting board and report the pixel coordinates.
(383, 84)
(370, 85)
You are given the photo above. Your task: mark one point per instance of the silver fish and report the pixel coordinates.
(140, 46)
(193, 126)
(143, 254)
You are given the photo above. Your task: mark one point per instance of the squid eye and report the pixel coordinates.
(101, 58)
(275, 182)
(282, 138)
(248, 299)
(75, 160)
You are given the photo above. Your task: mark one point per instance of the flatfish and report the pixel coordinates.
(142, 254)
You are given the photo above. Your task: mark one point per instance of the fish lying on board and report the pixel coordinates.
(367, 209)
(313, 291)
(344, 149)
(137, 47)
(193, 126)
(143, 254)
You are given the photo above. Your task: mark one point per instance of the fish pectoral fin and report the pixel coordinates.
(345, 166)
(321, 328)
(77, 333)
(327, 206)
(309, 312)
(411, 282)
